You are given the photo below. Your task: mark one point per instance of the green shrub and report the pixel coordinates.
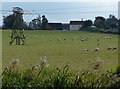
(42, 76)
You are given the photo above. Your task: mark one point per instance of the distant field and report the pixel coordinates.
(60, 53)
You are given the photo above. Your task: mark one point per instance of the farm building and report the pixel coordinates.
(54, 26)
(76, 25)
(65, 26)
(119, 23)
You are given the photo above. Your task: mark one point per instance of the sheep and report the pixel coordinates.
(65, 39)
(110, 48)
(85, 39)
(75, 37)
(50, 39)
(98, 44)
(85, 50)
(72, 39)
(97, 39)
(96, 50)
(104, 37)
(107, 37)
(114, 48)
(110, 37)
(82, 39)
(58, 39)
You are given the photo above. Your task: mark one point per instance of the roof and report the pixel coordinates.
(55, 23)
(76, 22)
(57, 26)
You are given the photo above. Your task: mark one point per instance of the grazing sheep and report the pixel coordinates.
(50, 39)
(82, 40)
(110, 37)
(65, 39)
(85, 50)
(98, 44)
(110, 48)
(107, 37)
(58, 39)
(114, 48)
(75, 37)
(97, 39)
(104, 37)
(96, 50)
(85, 39)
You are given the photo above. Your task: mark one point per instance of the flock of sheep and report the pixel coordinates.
(86, 39)
(82, 39)
(74, 38)
(97, 49)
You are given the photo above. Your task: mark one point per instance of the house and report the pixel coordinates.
(54, 26)
(65, 26)
(76, 25)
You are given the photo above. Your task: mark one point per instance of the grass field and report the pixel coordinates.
(60, 53)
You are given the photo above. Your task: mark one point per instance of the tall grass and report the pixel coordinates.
(42, 76)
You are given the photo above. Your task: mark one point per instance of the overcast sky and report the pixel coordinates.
(63, 11)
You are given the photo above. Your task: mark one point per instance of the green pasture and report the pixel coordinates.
(60, 53)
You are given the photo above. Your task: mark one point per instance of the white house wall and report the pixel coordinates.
(75, 27)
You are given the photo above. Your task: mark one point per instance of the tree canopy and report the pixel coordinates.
(15, 20)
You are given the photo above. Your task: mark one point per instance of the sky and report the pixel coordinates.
(60, 0)
(62, 11)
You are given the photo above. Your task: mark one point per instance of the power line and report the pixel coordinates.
(26, 13)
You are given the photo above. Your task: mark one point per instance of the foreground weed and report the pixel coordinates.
(42, 76)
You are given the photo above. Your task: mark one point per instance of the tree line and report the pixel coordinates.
(14, 21)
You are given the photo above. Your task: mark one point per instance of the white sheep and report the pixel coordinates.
(82, 39)
(110, 37)
(96, 50)
(50, 39)
(65, 39)
(114, 48)
(110, 48)
(107, 37)
(104, 37)
(85, 50)
(58, 39)
(75, 37)
(98, 43)
(97, 39)
(85, 39)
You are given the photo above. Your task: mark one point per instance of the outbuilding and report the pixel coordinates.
(76, 25)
